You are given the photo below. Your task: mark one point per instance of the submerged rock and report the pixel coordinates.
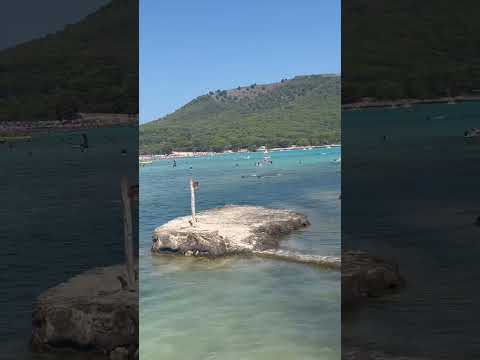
(332, 262)
(90, 312)
(365, 276)
(357, 353)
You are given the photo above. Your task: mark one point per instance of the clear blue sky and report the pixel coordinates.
(24, 20)
(189, 47)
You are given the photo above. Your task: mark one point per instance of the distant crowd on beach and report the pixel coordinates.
(187, 154)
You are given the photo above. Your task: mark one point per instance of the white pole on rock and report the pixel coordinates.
(128, 234)
(192, 201)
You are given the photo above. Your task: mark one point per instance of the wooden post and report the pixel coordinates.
(192, 201)
(128, 234)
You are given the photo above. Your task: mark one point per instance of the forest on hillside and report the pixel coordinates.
(409, 49)
(304, 110)
(91, 66)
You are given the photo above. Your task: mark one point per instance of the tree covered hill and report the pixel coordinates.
(90, 66)
(304, 110)
(409, 49)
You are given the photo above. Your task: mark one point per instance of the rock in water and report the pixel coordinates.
(227, 230)
(365, 276)
(91, 311)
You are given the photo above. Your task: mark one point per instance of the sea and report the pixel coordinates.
(410, 193)
(60, 216)
(245, 308)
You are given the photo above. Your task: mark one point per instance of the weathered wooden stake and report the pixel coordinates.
(128, 234)
(192, 201)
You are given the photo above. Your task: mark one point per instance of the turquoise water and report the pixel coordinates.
(60, 215)
(242, 308)
(414, 198)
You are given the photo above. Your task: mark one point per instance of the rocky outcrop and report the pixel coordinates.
(235, 230)
(365, 276)
(227, 230)
(91, 312)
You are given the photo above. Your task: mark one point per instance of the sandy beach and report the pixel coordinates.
(191, 154)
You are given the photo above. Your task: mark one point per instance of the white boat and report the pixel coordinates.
(145, 162)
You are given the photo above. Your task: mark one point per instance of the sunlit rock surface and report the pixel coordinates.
(227, 230)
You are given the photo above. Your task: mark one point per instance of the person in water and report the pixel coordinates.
(174, 163)
(84, 144)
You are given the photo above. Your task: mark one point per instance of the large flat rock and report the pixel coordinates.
(90, 312)
(227, 230)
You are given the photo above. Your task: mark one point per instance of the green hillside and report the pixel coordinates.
(91, 66)
(304, 110)
(409, 49)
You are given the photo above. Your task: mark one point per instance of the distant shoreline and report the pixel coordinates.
(193, 154)
(85, 121)
(406, 103)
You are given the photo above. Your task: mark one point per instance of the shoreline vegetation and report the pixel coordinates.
(368, 103)
(192, 154)
(18, 129)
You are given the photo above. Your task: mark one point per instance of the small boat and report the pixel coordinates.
(145, 162)
(472, 135)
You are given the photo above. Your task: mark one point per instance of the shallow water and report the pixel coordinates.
(242, 308)
(414, 198)
(60, 215)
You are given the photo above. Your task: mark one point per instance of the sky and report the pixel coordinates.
(190, 47)
(24, 20)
